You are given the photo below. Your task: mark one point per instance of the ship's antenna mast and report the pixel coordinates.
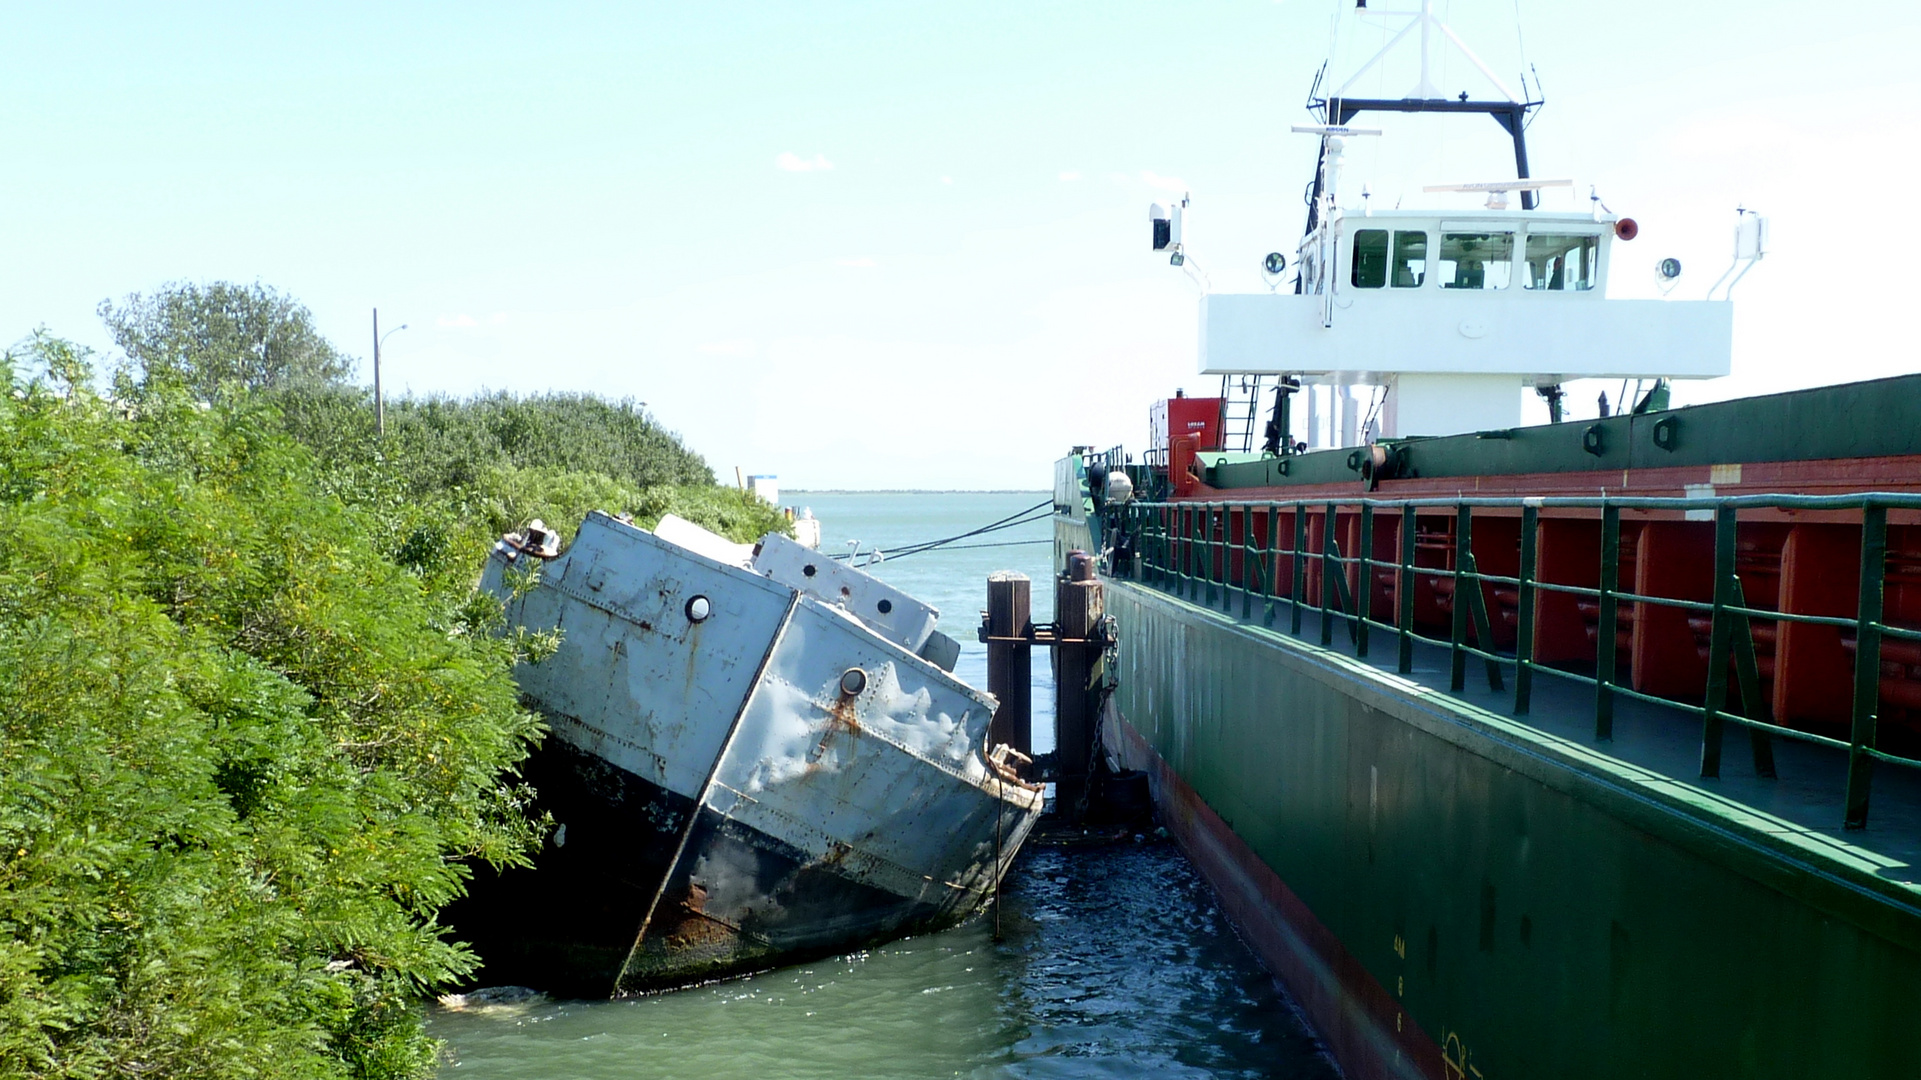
(1333, 147)
(1508, 109)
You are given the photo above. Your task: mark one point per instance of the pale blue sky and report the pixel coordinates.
(593, 197)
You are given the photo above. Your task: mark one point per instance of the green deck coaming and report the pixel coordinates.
(1856, 420)
(1673, 933)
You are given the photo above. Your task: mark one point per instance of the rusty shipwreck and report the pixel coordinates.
(758, 755)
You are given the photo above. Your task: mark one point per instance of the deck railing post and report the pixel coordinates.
(1204, 582)
(1483, 626)
(1328, 569)
(1207, 553)
(1524, 613)
(1227, 560)
(1604, 646)
(1184, 528)
(1218, 559)
(1867, 663)
(1190, 555)
(1156, 524)
(1137, 529)
(1457, 629)
(1144, 533)
(1748, 670)
(1190, 587)
(1160, 547)
(1271, 563)
(1247, 562)
(1177, 549)
(1364, 578)
(1404, 595)
(1719, 636)
(1132, 517)
(1224, 554)
(1163, 528)
(1169, 555)
(1195, 552)
(1165, 546)
(1300, 569)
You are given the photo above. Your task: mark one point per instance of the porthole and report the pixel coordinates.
(808, 570)
(885, 606)
(698, 609)
(853, 681)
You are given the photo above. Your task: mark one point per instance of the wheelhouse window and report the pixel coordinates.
(1370, 258)
(1476, 260)
(1410, 259)
(1381, 259)
(1560, 262)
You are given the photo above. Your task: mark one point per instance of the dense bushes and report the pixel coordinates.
(451, 475)
(438, 443)
(253, 724)
(243, 753)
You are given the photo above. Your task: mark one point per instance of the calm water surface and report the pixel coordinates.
(1114, 961)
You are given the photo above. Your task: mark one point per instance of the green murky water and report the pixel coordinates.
(1113, 962)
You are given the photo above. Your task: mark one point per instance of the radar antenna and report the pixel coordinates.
(1337, 108)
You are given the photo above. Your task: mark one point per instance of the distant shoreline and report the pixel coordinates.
(913, 491)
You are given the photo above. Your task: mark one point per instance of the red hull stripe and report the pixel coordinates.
(1368, 1033)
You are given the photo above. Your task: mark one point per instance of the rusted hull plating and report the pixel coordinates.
(767, 783)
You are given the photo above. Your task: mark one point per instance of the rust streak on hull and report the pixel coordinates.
(1363, 1025)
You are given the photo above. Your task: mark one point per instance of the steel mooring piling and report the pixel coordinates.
(1077, 647)
(1077, 641)
(1008, 630)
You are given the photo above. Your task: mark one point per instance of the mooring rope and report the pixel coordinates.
(1039, 512)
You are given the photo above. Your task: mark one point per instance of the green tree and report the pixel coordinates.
(201, 336)
(244, 756)
(256, 724)
(437, 443)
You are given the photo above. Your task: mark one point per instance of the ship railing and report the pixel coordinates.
(1184, 547)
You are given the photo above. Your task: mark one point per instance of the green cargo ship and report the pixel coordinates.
(1583, 749)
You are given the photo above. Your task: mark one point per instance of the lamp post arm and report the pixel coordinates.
(380, 401)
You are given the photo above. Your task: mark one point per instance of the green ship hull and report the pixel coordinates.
(1451, 890)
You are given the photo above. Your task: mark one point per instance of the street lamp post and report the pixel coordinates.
(380, 403)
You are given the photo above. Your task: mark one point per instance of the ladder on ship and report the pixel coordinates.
(1241, 423)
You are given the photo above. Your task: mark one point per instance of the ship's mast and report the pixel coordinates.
(1337, 108)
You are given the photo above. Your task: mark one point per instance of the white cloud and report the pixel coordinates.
(1163, 183)
(729, 347)
(457, 320)
(1070, 176)
(788, 161)
(860, 263)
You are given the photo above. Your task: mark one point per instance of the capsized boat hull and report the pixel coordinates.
(771, 782)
